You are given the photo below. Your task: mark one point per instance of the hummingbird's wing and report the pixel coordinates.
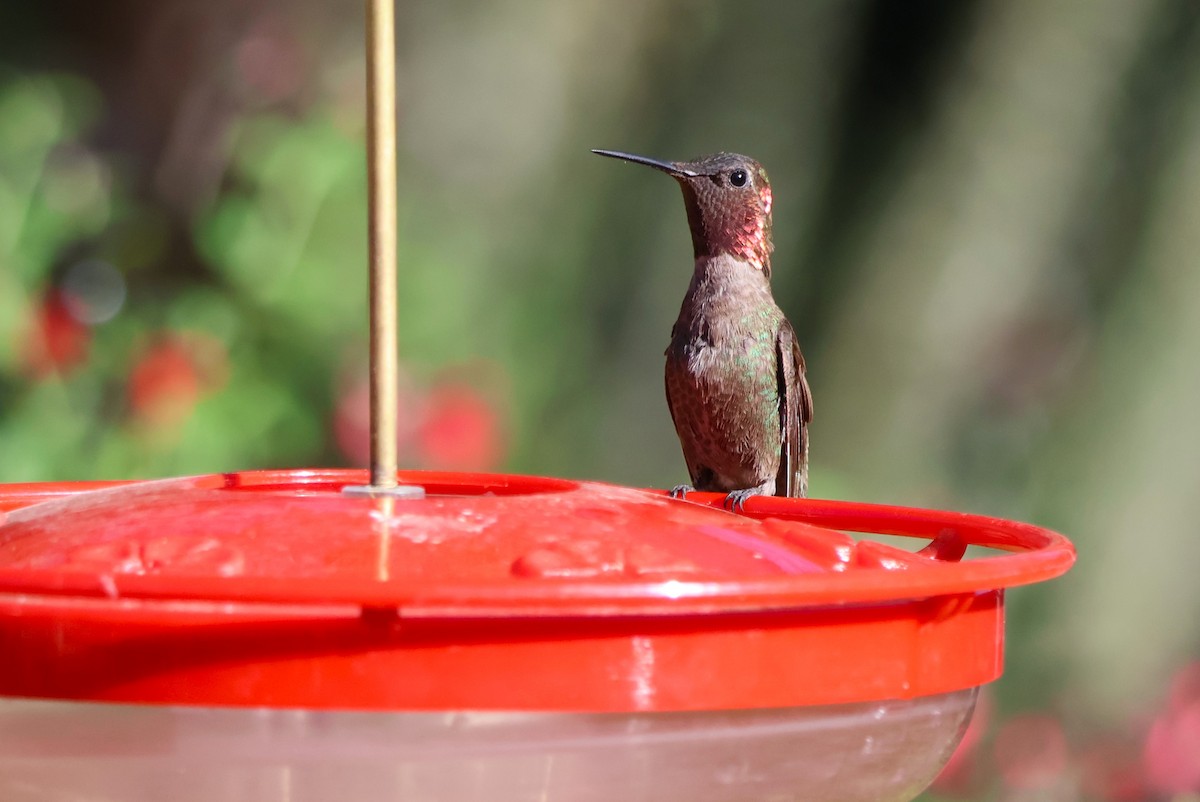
(693, 466)
(795, 411)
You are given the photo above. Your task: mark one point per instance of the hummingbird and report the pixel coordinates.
(735, 378)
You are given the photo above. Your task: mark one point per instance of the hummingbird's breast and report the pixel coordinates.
(721, 375)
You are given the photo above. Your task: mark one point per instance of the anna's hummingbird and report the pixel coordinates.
(735, 376)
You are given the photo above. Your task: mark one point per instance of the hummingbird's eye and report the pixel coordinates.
(738, 178)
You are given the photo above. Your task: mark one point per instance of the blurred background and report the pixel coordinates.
(987, 227)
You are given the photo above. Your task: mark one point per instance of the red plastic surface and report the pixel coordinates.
(494, 592)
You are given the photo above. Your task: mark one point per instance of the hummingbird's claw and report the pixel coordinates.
(736, 501)
(680, 491)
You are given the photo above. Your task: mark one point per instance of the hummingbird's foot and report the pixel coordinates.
(680, 491)
(736, 501)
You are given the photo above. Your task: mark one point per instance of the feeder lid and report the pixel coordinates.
(543, 560)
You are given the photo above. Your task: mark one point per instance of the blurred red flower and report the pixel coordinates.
(170, 376)
(352, 419)
(451, 425)
(1031, 751)
(1110, 769)
(1171, 755)
(460, 430)
(58, 341)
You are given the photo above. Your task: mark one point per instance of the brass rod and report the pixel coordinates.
(381, 178)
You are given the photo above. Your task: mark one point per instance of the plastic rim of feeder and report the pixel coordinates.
(493, 592)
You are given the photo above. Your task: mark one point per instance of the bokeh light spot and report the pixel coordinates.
(94, 291)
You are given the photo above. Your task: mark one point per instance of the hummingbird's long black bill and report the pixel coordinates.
(667, 167)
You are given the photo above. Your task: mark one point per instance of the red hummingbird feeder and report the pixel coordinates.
(334, 634)
(502, 637)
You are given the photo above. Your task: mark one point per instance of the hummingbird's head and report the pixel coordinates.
(728, 200)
